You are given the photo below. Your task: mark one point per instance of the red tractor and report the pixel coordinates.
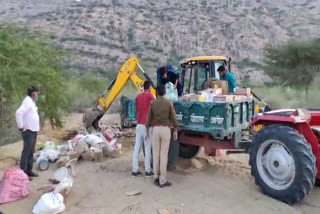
(284, 153)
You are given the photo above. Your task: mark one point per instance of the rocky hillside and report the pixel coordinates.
(104, 33)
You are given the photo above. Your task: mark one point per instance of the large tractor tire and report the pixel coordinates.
(188, 151)
(282, 163)
(316, 131)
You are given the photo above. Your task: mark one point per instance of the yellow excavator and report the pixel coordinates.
(127, 72)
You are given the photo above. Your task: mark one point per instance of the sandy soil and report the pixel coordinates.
(203, 185)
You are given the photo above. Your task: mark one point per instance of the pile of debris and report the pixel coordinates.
(114, 127)
(81, 145)
(94, 146)
(117, 130)
(90, 147)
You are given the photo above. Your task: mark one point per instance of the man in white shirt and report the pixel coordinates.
(28, 122)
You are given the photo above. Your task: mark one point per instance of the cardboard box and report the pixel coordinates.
(194, 98)
(219, 84)
(214, 91)
(240, 97)
(189, 98)
(224, 98)
(217, 91)
(98, 156)
(88, 155)
(243, 91)
(62, 161)
(184, 98)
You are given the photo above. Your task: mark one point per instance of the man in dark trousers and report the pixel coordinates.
(28, 122)
(169, 74)
(161, 116)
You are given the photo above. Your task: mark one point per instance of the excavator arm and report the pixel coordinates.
(127, 72)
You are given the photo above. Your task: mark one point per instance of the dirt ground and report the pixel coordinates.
(202, 185)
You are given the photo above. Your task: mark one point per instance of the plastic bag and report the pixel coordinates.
(111, 146)
(50, 154)
(78, 137)
(93, 140)
(66, 181)
(65, 184)
(108, 134)
(49, 203)
(171, 93)
(14, 185)
(60, 174)
(50, 145)
(63, 148)
(39, 146)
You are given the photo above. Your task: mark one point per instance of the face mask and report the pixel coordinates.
(35, 98)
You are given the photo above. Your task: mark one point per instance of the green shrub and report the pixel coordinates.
(26, 60)
(289, 97)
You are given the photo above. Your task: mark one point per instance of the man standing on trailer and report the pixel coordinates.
(142, 104)
(167, 74)
(229, 77)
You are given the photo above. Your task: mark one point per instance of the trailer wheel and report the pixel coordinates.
(188, 151)
(282, 163)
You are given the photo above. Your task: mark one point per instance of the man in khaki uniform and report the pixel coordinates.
(161, 116)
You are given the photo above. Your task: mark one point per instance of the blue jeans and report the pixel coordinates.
(140, 139)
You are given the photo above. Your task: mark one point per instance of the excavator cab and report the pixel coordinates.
(196, 71)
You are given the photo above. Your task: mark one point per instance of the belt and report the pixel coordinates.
(161, 126)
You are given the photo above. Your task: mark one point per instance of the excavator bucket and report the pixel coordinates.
(91, 119)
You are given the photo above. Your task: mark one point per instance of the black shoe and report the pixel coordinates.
(167, 184)
(156, 182)
(30, 179)
(135, 174)
(32, 174)
(148, 174)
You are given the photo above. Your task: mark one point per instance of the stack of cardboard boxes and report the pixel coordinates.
(218, 92)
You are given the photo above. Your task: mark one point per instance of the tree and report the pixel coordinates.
(26, 60)
(294, 63)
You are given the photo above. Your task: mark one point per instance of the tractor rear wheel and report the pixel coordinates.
(316, 131)
(188, 151)
(282, 163)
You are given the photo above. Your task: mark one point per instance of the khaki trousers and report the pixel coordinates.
(160, 146)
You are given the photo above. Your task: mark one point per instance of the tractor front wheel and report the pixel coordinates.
(188, 151)
(282, 163)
